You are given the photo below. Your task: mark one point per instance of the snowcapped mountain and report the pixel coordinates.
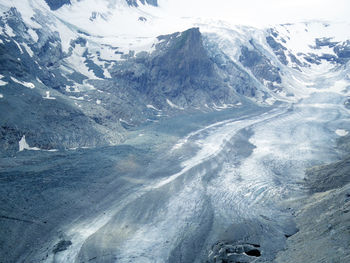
(128, 134)
(56, 4)
(117, 64)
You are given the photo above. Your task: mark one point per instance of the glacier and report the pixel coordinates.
(131, 135)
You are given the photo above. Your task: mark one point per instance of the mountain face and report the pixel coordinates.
(178, 74)
(139, 143)
(56, 4)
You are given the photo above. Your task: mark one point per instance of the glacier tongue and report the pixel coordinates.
(159, 138)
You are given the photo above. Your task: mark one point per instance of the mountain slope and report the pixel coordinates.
(132, 136)
(206, 69)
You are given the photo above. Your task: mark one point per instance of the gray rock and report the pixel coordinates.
(56, 4)
(260, 66)
(61, 246)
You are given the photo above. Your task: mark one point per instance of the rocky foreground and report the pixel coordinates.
(323, 217)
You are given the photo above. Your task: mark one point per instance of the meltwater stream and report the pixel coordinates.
(229, 182)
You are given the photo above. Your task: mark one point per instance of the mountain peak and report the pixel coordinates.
(56, 4)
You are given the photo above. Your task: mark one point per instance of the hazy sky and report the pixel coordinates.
(261, 12)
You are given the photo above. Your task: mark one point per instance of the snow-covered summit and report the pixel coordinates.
(56, 4)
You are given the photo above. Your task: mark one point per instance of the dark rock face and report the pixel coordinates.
(324, 42)
(242, 242)
(281, 51)
(61, 246)
(186, 57)
(180, 70)
(343, 50)
(260, 66)
(234, 253)
(278, 49)
(56, 4)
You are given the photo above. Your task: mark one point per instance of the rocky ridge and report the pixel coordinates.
(323, 217)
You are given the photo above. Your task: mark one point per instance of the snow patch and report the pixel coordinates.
(98, 102)
(47, 97)
(28, 49)
(66, 34)
(3, 83)
(33, 34)
(77, 61)
(9, 31)
(23, 145)
(1, 96)
(19, 47)
(76, 98)
(124, 121)
(149, 106)
(72, 89)
(173, 105)
(270, 101)
(38, 80)
(23, 83)
(341, 132)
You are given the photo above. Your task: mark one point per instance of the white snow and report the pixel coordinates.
(26, 8)
(77, 62)
(173, 105)
(72, 89)
(23, 145)
(149, 106)
(270, 101)
(19, 47)
(23, 83)
(9, 31)
(341, 132)
(48, 97)
(66, 33)
(3, 83)
(39, 80)
(98, 102)
(124, 121)
(28, 49)
(1, 96)
(33, 34)
(300, 37)
(77, 98)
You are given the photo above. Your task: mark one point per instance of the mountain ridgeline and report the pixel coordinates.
(57, 4)
(95, 102)
(123, 139)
